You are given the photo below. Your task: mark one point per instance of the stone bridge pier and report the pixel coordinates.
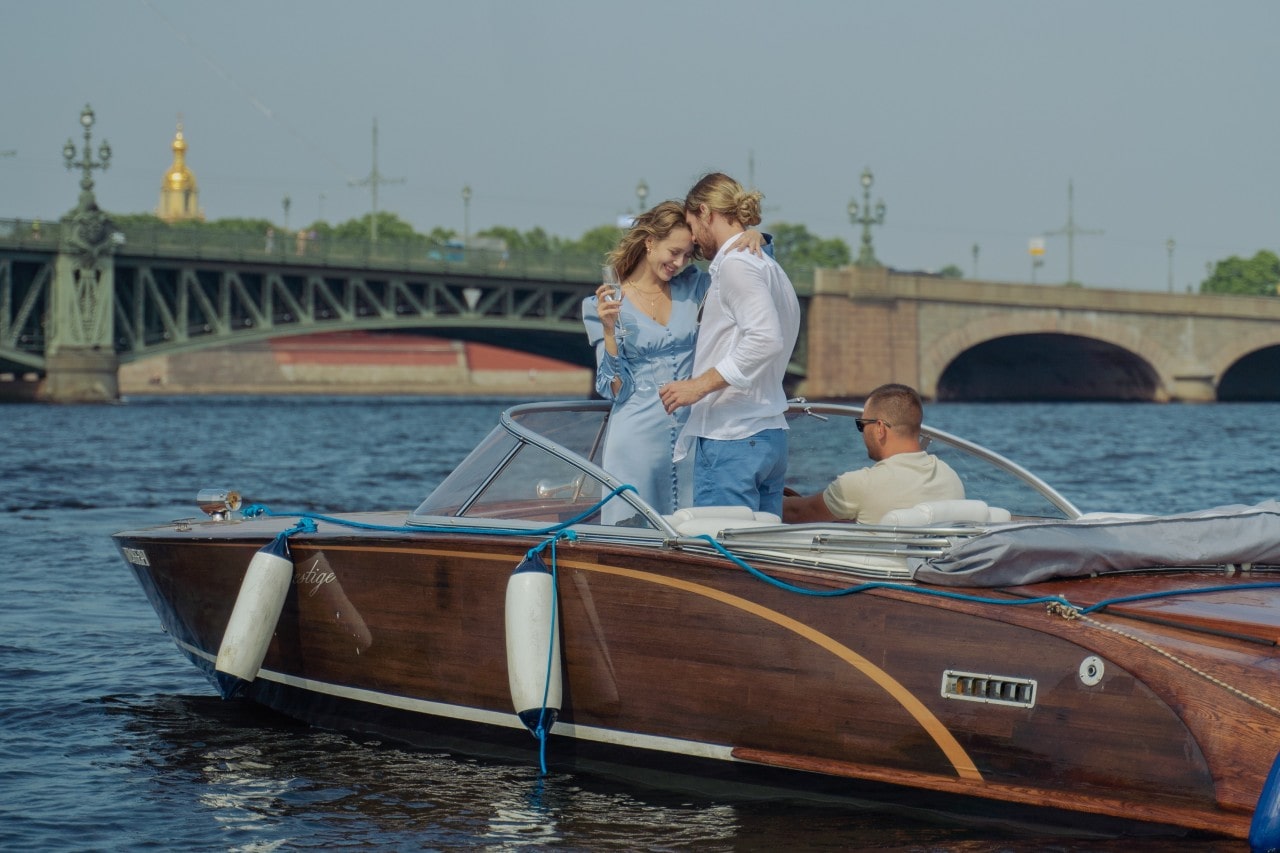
(986, 341)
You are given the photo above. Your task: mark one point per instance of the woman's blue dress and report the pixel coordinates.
(641, 435)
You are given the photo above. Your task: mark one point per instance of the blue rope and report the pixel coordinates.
(543, 733)
(255, 510)
(976, 599)
(870, 585)
(304, 525)
(1175, 592)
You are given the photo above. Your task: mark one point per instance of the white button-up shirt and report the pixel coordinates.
(750, 321)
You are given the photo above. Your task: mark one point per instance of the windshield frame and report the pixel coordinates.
(589, 479)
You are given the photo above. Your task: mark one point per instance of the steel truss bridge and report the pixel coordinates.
(180, 298)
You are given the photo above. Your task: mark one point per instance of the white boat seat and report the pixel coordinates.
(710, 520)
(937, 512)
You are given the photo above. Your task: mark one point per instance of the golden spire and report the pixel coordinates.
(179, 193)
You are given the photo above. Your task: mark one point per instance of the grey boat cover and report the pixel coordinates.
(1030, 552)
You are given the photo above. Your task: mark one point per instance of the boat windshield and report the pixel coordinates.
(823, 443)
(540, 466)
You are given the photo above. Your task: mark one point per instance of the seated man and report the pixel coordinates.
(903, 476)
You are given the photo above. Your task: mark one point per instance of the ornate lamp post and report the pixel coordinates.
(866, 255)
(466, 214)
(285, 203)
(86, 163)
(80, 356)
(642, 192)
(1168, 245)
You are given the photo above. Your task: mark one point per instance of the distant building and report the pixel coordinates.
(179, 195)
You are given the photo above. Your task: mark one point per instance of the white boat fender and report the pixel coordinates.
(253, 619)
(533, 645)
(1264, 829)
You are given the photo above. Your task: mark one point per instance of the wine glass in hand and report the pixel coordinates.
(610, 277)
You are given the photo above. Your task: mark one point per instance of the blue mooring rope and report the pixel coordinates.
(542, 733)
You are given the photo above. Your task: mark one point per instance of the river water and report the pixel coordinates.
(110, 740)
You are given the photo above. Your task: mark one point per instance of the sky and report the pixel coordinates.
(974, 118)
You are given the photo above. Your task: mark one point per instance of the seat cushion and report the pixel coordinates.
(937, 512)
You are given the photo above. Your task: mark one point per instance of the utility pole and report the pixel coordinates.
(1071, 230)
(374, 180)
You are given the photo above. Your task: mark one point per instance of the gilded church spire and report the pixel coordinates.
(179, 194)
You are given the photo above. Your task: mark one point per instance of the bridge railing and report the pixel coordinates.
(29, 234)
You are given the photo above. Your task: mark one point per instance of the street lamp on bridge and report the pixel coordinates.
(866, 255)
(86, 163)
(642, 192)
(80, 360)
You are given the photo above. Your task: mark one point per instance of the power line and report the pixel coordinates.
(375, 180)
(1071, 230)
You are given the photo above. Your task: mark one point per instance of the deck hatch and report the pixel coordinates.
(992, 689)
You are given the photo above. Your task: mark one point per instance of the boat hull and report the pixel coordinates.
(672, 658)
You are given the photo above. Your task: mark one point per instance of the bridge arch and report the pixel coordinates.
(1045, 355)
(1248, 368)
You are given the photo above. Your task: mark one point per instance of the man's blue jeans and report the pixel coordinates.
(742, 472)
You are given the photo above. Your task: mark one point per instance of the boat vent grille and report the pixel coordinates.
(993, 689)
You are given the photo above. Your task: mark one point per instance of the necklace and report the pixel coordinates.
(650, 295)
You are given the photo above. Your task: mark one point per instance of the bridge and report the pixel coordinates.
(987, 341)
(69, 317)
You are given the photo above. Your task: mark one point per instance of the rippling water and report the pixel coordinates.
(110, 740)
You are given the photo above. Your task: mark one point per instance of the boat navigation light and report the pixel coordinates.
(218, 502)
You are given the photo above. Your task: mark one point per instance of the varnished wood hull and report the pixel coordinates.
(674, 655)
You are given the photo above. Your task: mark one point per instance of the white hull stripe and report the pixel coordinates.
(614, 737)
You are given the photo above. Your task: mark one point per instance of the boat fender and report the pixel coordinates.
(254, 617)
(1264, 829)
(533, 645)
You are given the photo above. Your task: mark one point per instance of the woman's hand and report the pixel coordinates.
(608, 308)
(750, 241)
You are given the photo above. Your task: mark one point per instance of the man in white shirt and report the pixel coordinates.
(903, 476)
(750, 321)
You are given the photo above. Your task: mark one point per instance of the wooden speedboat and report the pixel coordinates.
(1004, 647)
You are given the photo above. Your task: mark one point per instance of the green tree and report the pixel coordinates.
(951, 271)
(539, 241)
(237, 225)
(390, 228)
(536, 241)
(438, 237)
(511, 236)
(794, 246)
(1258, 276)
(598, 242)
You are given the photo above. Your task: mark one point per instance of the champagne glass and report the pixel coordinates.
(610, 277)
